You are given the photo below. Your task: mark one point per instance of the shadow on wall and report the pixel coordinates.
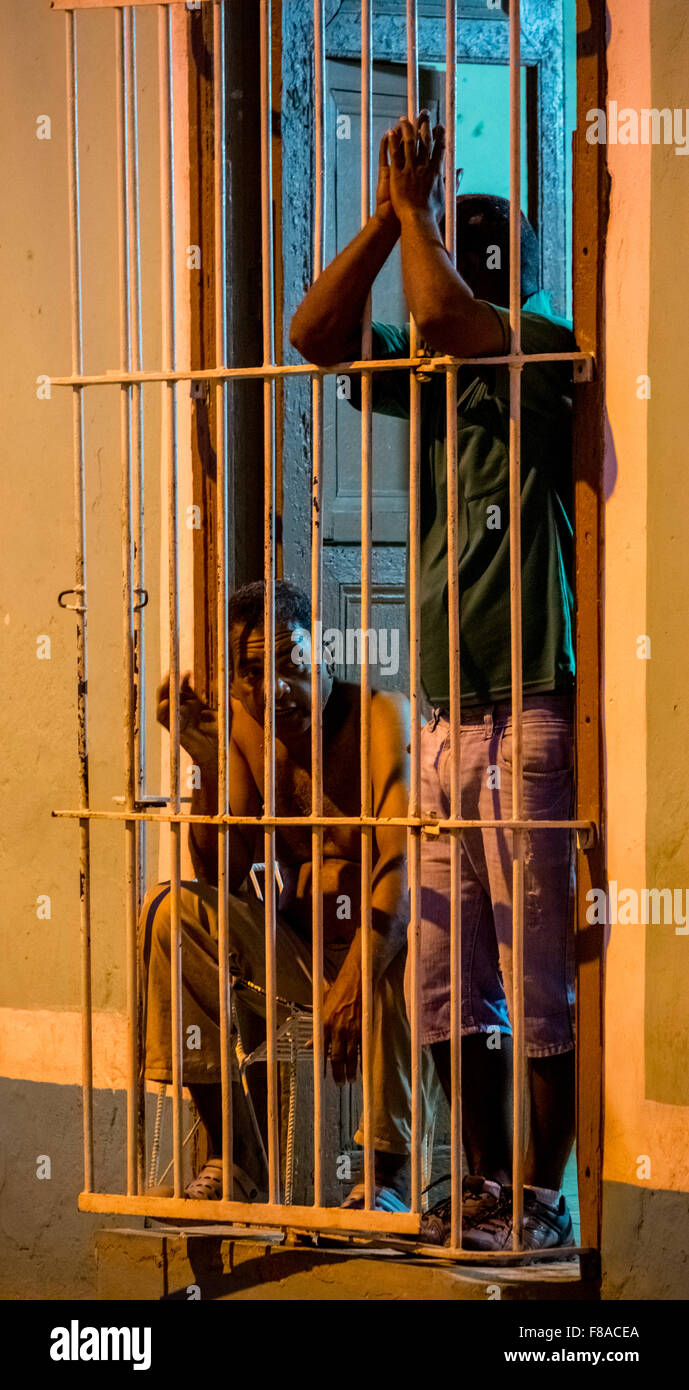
(645, 1251)
(46, 1243)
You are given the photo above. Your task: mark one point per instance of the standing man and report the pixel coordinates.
(459, 310)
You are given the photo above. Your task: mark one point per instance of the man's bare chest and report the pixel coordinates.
(294, 789)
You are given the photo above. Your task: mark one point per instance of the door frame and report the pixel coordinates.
(293, 104)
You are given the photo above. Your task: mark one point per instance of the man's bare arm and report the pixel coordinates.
(199, 738)
(243, 801)
(447, 315)
(327, 325)
(389, 772)
(390, 778)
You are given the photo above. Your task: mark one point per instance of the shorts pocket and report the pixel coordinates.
(547, 747)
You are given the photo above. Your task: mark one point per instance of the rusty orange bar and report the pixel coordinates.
(103, 4)
(169, 453)
(453, 602)
(415, 822)
(268, 300)
(413, 838)
(138, 567)
(316, 604)
(366, 540)
(518, 1136)
(130, 780)
(80, 592)
(275, 370)
(222, 533)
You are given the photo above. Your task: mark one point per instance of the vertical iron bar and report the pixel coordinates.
(454, 653)
(80, 586)
(136, 350)
(222, 495)
(123, 133)
(169, 440)
(413, 841)
(516, 626)
(268, 304)
(366, 538)
(317, 627)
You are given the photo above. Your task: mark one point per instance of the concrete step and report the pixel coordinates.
(226, 1263)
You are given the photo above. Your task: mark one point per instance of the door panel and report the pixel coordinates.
(342, 427)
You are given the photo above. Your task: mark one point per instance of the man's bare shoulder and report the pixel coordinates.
(388, 707)
(390, 715)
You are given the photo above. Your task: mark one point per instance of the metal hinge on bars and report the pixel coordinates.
(587, 836)
(582, 370)
(199, 390)
(73, 607)
(81, 607)
(431, 832)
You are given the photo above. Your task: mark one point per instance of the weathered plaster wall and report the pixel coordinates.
(46, 1245)
(646, 1214)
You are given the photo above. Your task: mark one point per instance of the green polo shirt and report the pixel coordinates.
(484, 558)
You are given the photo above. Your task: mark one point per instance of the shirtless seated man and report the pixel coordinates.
(340, 878)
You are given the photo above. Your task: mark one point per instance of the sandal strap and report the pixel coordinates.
(207, 1185)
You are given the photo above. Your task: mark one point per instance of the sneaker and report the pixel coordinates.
(384, 1199)
(479, 1198)
(544, 1227)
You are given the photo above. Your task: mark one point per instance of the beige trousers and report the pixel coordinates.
(391, 1051)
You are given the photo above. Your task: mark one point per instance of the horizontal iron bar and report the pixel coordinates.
(104, 4)
(302, 1218)
(251, 1213)
(314, 1219)
(270, 370)
(502, 1258)
(185, 818)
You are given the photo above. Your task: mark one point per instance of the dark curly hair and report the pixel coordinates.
(292, 606)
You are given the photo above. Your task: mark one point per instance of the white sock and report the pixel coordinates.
(492, 1187)
(547, 1195)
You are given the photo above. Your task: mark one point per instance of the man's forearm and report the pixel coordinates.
(388, 936)
(203, 839)
(435, 291)
(327, 323)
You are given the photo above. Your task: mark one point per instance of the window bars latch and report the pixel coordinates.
(586, 837)
(582, 370)
(430, 832)
(73, 607)
(81, 607)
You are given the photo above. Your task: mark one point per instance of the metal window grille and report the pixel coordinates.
(136, 814)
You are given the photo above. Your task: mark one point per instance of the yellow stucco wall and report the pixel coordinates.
(40, 855)
(647, 593)
(41, 957)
